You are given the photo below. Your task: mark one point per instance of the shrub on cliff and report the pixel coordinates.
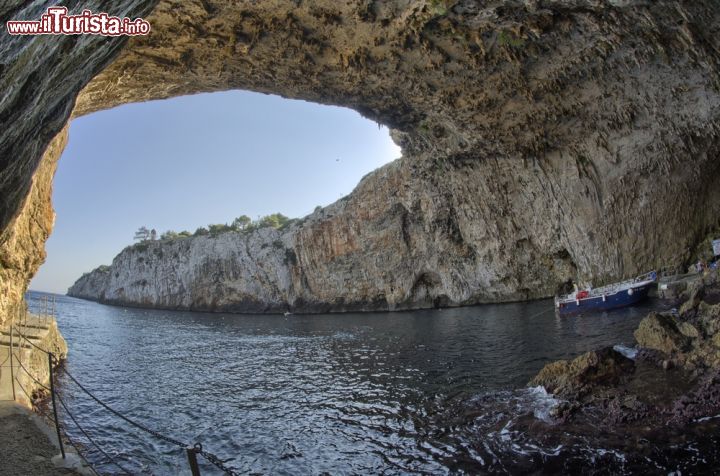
(276, 220)
(219, 228)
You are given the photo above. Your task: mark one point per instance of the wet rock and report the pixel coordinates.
(564, 411)
(702, 402)
(577, 377)
(625, 409)
(651, 356)
(661, 332)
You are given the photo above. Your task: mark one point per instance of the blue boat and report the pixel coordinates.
(612, 296)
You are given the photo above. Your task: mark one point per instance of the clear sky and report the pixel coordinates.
(186, 162)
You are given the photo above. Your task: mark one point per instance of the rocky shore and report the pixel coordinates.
(670, 381)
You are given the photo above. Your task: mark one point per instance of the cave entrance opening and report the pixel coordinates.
(192, 162)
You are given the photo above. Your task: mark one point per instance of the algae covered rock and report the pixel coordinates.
(572, 378)
(689, 330)
(661, 332)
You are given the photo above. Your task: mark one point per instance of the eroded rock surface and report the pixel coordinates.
(22, 244)
(543, 140)
(661, 332)
(573, 378)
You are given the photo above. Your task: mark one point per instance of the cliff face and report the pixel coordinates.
(22, 247)
(542, 140)
(396, 242)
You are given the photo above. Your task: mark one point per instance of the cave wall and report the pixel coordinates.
(22, 248)
(542, 140)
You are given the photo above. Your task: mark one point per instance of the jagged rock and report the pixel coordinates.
(660, 332)
(536, 141)
(716, 340)
(693, 339)
(572, 378)
(696, 293)
(709, 318)
(703, 401)
(688, 330)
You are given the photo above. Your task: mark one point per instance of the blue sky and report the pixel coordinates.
(186, 162)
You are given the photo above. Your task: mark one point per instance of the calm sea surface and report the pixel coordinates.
(437, 391)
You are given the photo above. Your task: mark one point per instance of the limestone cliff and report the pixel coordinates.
(542, 140)
(396, 242)
(22, 247)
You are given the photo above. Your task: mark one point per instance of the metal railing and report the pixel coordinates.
(20, 341)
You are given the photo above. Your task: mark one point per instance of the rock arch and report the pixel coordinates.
(579, 125)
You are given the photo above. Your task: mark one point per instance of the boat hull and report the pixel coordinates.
(617, 300)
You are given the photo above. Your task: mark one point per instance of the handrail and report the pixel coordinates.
(31, 375)
(191, 450)
(110, 458)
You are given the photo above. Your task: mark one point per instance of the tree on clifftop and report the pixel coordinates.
(241, 222)
(142, 234)
(276, 220)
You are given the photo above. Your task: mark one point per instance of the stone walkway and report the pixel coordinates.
(26, 446)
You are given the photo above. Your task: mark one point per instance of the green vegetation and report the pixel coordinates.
(219, 228)
(440, 7)
(241, 224)
(508, 38)
(276, 220)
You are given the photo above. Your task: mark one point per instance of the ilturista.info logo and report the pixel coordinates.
(57, 21)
